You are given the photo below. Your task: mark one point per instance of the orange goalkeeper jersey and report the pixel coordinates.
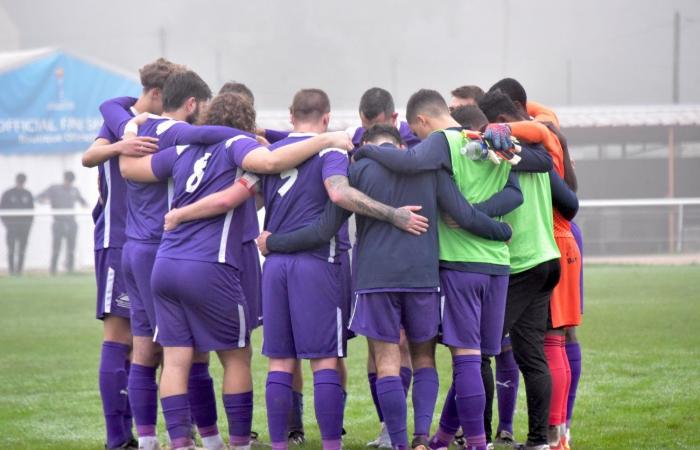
(535, 132)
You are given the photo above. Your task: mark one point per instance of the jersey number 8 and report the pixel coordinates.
(197, 173)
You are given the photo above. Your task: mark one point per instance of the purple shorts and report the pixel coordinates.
(111, 289)
(251, 282)
(303, 307)
(578, 236)
(200, 305)
(381, 315)
(137, 262)
(473, 307)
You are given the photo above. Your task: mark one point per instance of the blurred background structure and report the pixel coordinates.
(623, 75)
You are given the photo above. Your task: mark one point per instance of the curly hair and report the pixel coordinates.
(231, 110)
(155, 74)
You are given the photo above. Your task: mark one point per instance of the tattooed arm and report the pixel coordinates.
(347, 197)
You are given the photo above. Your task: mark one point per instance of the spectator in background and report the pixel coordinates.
(17, 227)
(63, 196)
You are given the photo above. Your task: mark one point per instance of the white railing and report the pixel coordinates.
(614, 227)
(674, 218)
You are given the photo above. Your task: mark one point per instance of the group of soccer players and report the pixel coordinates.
(462, 236)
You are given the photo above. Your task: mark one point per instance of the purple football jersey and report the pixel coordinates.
(296, 198)
(409, 139)
(147, 203)
(198, 171)
(110, 214)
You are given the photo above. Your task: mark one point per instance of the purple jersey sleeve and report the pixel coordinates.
(162, 163)
(239, 147)
(116, 114)
(335, 162)
(104, 133)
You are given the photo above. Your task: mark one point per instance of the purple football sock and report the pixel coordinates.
(471, 399)
(239, 411)
(178, 420)
(128, 420)
(393, 402)
(200, 393)
(507, 380)
(113, 378)
(406, 374)
(143, 395)
(278, 398)
(573, 352)
(295, 421)
(372, 379)
(449, 419)
(328, 402)
(425, 391)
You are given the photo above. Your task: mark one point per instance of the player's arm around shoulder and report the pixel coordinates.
(347, 197)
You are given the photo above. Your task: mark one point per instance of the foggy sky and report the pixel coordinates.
(619, 51)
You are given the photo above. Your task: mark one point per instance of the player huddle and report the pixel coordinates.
(463, 237)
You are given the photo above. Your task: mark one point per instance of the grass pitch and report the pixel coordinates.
(639, 388)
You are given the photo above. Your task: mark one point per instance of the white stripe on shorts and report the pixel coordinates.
(442, 307)
(354, 310)
(339, 330)
(109, 285)
(241, 326)
(224, 236)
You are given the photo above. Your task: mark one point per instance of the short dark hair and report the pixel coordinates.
(68, 176)
(20, 178)
(182, 85)
(470, 117)
(467, 92)
(376, 101)
(512, 88)
(425, 101)
(384, 131)
(155, 74)
(497, 102)
(238, 88)
(231, 110)
(310, 104)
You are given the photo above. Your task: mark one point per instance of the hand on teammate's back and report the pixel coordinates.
(138, 146)
(499, 135)
(339, 139)
(407, 220)
(262, 243)
(171, 220)
(449, 221)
